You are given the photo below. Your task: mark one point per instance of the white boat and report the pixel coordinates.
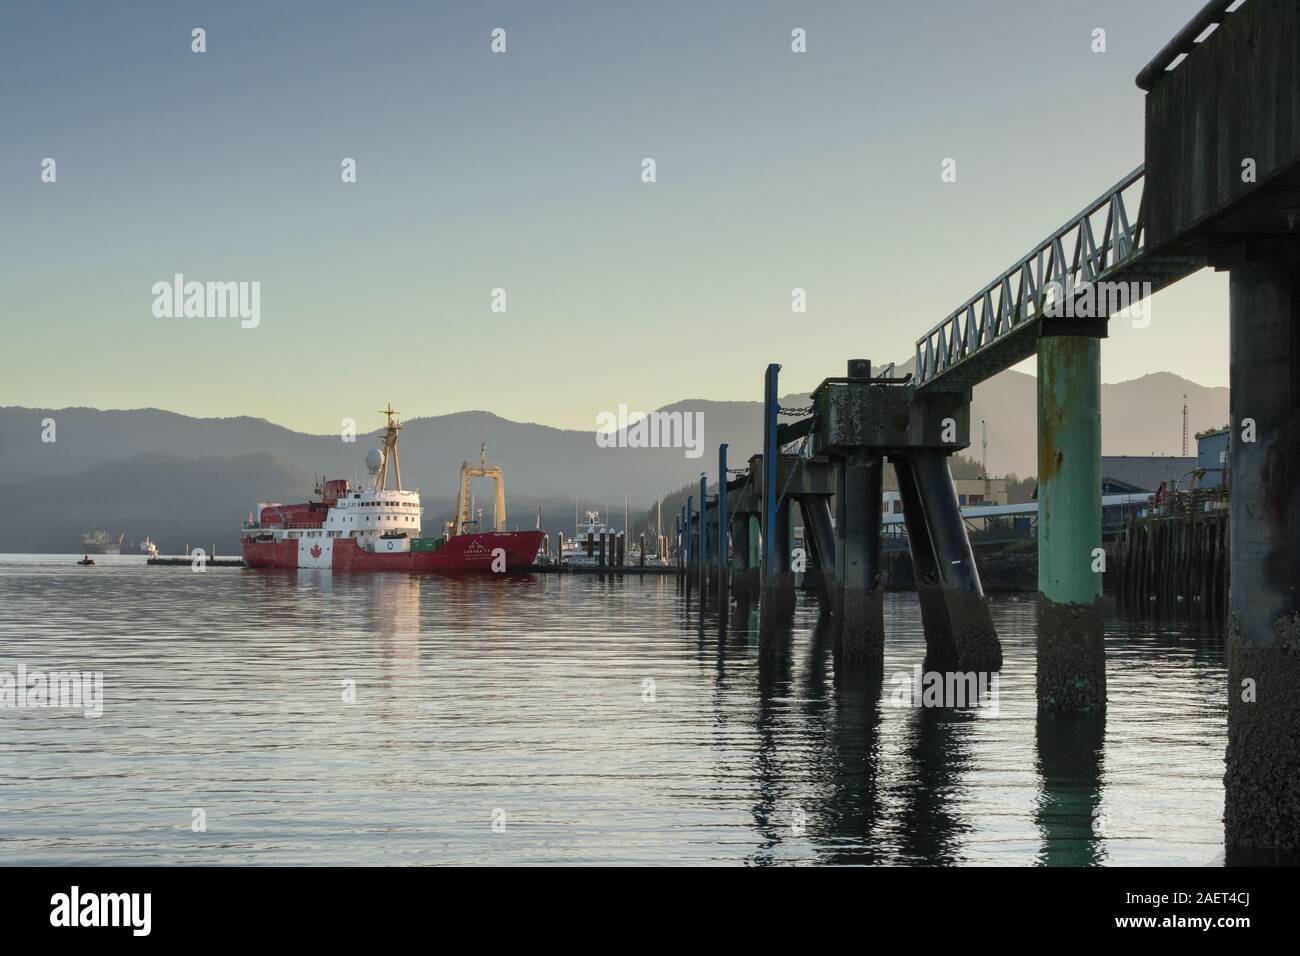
(575, 548)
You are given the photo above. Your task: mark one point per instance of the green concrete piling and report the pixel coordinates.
(1071, 651)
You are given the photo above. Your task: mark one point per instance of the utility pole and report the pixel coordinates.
(625, 527)
(984, 456)
(1184, 426)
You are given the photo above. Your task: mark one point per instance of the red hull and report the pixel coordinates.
(467, 552)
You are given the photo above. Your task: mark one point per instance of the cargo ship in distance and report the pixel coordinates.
(378, 528)
(99, 542)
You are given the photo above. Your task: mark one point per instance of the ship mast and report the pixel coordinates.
(390, 452)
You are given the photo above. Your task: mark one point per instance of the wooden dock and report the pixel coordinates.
(1177, 560)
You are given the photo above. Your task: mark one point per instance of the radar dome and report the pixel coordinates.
(374, 460)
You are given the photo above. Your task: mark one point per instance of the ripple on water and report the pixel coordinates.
(527, 701)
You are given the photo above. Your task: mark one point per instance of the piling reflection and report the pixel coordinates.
(777, 814)
(532, 695)
(1068, 814)
(816, 754)
(846, 827)
(820, 653)
(929, 827)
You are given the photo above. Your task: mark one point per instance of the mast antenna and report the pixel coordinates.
(1184, 426)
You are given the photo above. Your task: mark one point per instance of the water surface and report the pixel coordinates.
(528, 702)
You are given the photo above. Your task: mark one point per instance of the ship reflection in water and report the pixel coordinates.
(389, 718)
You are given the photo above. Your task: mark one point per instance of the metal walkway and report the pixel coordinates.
(1000, 325)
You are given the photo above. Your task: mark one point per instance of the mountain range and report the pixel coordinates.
(190, 480)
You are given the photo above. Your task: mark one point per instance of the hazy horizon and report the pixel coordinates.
(365, 428)
(522, 171)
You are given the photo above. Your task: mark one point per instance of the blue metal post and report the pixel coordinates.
(681, 554)
(723, 526)
(690, 508)
(704, 522)
(770, 452)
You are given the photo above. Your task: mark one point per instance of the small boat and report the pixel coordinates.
(86, 560)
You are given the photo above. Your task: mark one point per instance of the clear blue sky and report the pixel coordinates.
(522, 171)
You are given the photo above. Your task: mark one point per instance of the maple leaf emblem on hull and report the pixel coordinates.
(315, 550)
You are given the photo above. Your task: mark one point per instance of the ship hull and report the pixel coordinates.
(467, 552)
(100, 548)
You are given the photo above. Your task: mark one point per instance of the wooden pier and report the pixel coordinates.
(1179, 560)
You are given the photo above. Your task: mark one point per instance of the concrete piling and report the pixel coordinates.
(777, 603)
(964, 631)
(861, 420)
(1071, 653)
(745, 584)
(819, 535)
(1262, 778)
(860, 602)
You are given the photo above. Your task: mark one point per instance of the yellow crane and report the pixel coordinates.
(468, 472)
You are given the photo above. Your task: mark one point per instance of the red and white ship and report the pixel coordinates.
(377, 528)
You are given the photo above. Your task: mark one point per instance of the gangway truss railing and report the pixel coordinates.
(1000, 325)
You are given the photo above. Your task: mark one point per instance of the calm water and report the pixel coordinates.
(526, 700)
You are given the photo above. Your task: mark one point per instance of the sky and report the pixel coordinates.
(522, 171)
